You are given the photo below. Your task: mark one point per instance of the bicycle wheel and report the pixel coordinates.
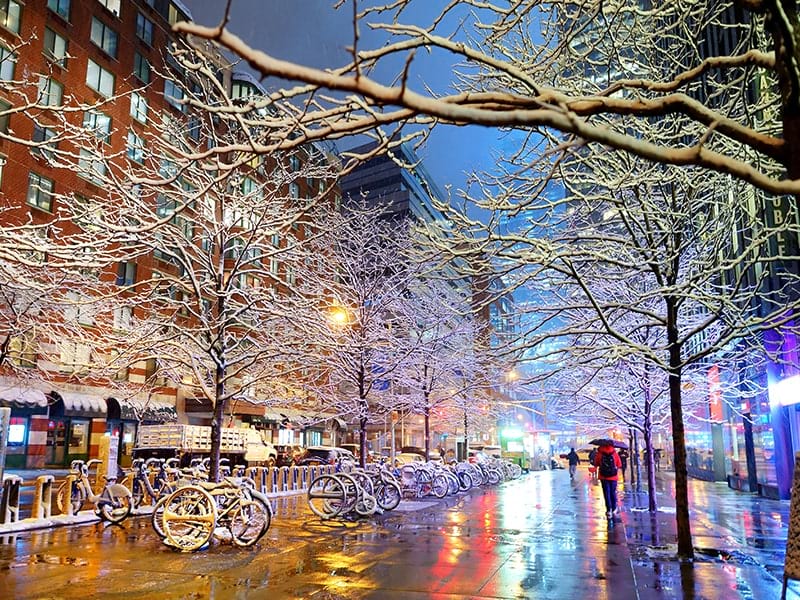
(75, 498)
(439, 486)
(115, 503)
(493, 476)
(249, 523)
(465, 481)
(156, 518)
(326, 496)
(189, 518)
(137, 495)
(388, 495)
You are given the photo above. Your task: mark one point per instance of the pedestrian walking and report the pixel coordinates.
(623, 456)
(657, 458)
(592, 467)
(574, 460)
(608, 464)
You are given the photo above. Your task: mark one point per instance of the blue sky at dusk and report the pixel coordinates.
(311, 32)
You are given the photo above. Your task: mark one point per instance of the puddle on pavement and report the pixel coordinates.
(52, 559)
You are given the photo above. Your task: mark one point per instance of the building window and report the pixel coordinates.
(60, 7)
(126, 273)
(175, 14)
(40, 192)
(173, 95)
(104, 37)
(139, 107)
(22, 351)
(122, 318)
(135, 147)
(91, 167)
(99, 79)
(10, 14)
(42, 135)
(111, 5)
(50, 92)
(98, 123)
(294, 190)
(8, 60)
(55, 47)
(141, 68)
(144, 29)
(5, 107)
(294, 164)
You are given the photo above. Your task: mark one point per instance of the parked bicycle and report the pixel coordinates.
(113, 503)
(191, 514)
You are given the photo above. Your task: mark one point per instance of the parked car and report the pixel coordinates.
(404, 458)
(324, 455)
(434, 453)
(259, 452)
(287, 453)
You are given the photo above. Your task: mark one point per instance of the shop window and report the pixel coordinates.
(18, 431)
(79, 437)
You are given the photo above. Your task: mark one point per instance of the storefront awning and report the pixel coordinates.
(19, 396)
(83, 404)
(243, 407)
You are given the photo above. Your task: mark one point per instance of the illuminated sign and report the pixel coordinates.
(511, 433)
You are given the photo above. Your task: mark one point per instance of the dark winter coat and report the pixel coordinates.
(599, 457)
(573, 458)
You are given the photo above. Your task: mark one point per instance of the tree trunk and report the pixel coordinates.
(216, 423)
(427, 413)
(362, 442)
(635, 447)
(685, 546)
(651, 473)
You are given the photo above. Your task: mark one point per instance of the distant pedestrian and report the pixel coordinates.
(623, 456)
(657, 458)
(592, 467)
(574, 460)
(608, 464)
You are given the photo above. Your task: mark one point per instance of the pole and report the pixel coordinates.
(5, 423)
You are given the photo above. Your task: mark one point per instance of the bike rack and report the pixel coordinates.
(283, 479)
(43, 497)
(9, 503)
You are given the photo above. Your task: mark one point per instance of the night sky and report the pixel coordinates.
(312, 33)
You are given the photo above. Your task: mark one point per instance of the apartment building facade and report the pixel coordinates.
(112, 56)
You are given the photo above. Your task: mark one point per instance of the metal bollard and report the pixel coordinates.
(283, 480)
(69, 482)
(9, 503)
(273, 479)
(43, 497)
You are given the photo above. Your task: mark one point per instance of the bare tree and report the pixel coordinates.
(542, 67)
(355, 279)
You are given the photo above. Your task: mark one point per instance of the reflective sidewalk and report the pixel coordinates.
(542, 537)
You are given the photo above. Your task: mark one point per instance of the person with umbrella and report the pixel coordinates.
(608, 464)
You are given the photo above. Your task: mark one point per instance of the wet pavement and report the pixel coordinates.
(542, 536)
